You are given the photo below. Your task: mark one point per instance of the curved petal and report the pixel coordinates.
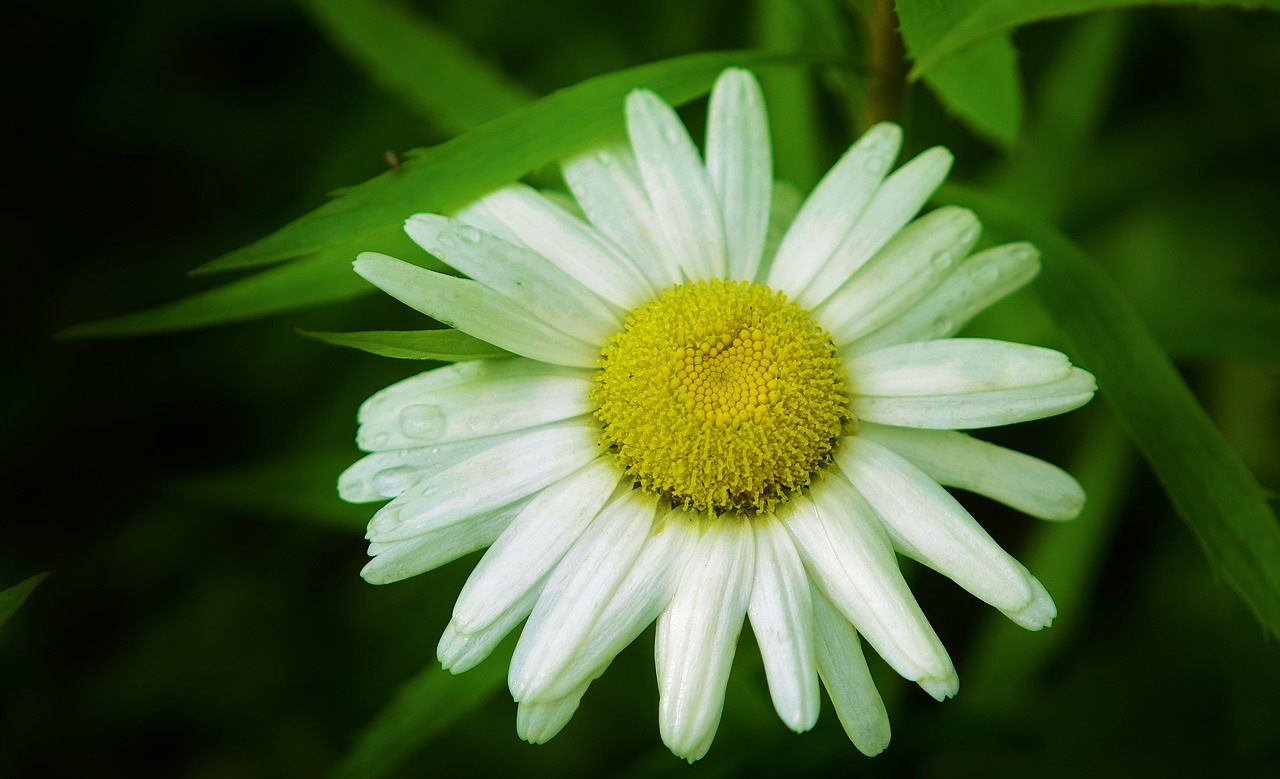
(471, 400)
(682, 196)
(476, 310)
(606, 183)
(781, 614)
(459, 652)
(494, 478)
(833, 208)
(698, 635)
(579, 591)
(740, 166)
(523, 276)
(643, 594)
(928, 525)
(954, 459)
(895, 202)
(540, 721)
(397, 560)
(391, 474)
(534, 543)
(850, 557)
(588, 256)
(848, 680)
(913, 264)
(977, 283)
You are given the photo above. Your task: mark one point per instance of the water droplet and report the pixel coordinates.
(943, 259)
(985, 274)
(969, 235)
(392, 482)
(421, 421)
(604, 158)
(671, 134)
(877, 164)
(942, 326)
(467, 233)
(381, 440)
(1024, 253)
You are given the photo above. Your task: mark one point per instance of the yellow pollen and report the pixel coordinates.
(721, 396)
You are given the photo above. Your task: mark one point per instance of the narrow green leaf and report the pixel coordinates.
(12, 599)
(782, 25)
(979, 85)
(324, 278)
(1208, 485)
(442, 345)
(428, 704)
(443, 178)
(419, 62)
(998, 17)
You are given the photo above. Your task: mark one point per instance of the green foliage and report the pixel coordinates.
(988, 18)
(12, 599)
(425, 706)
(419, 62)
(443, 345)
(980, 84)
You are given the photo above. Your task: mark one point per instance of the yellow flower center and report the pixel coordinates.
(721, 396)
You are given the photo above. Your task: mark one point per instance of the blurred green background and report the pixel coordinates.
(205, 617)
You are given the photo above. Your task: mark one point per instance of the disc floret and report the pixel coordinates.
(721, 396)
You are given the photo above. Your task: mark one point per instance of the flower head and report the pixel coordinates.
(711, 419)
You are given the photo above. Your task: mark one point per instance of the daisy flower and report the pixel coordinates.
(711, 418)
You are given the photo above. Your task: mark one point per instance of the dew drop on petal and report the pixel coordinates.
(943, 259)
(381, 440)
(969, 235)
(604, 157)
(942, 326)
(421, 421)
(393, 482)
(467, 233)
(671, 134)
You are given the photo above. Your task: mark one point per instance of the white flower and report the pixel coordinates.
(704, 424)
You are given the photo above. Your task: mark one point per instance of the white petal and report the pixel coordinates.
(913, 264)
(540, 721)
(848, 681)
(494, 478)
(967, 411)
(579, 590)
(698, 634)
(782, 212)
(472, 400)
(831, 211)
(401, 559)
(928, 525)
(740, 165)
(850, 557)
(638, 601)
(582, 252)
(459, 652)
(894, 203)
(606, 182)
(536, 540)
(957, 460)
(955, 366)
(781, 615)
(523, 276)
(476, 310)
(682, 196)
(977, 283)
(391, 474)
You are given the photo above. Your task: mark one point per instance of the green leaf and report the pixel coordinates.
(1208, 484)
(12, 599)
(420, 63)
(998, 17)
(427, 705)
(442, 345)
(979, 85)
(324, 278)
(445, 177)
